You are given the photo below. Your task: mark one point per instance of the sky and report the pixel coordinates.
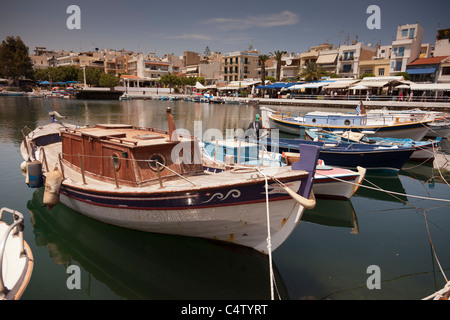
(175, 26)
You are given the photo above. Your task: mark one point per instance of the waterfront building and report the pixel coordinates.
(349, 57)
(406, 47)
(240, 65)
(290, 67)
(427, 70)
(80, 59)
(443, 75)
(327, 60)
(377, 67)
(442, 45)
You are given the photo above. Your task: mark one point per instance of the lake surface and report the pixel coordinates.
(327, 256)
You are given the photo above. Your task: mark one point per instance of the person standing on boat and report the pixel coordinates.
(254, 131)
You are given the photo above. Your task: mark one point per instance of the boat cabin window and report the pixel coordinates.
(154, 158)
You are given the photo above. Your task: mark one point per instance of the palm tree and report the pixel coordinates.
(312, 72)
(262, 59)
(277, 55)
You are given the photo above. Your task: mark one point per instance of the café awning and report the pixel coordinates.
(326, 59)
(341, 84)
(430, 86)
(421, 71)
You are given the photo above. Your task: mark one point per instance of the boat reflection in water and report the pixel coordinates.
(333, 213)
(141, 265)
(385, 183)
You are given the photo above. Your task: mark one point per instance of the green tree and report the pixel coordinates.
(312, 72)
(366, 75)
(262, 59)
(405, 75)
(278, 55)
(108, 80)
(14, 60)
(170, 80)
(92, 76)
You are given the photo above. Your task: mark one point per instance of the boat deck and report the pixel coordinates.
(191, 182)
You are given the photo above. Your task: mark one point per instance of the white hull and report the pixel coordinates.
(413, 133)
(335, 189)
(244, 224)
(17, 260)
(438, 131)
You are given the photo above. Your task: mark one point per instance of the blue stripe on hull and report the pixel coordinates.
(177, 201)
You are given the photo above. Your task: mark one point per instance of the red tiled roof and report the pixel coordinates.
(434, 60)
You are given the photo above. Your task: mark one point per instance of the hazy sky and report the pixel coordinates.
(176, 26)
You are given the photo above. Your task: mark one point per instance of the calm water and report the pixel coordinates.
(326, 257)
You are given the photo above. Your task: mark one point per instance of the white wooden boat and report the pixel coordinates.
(152, 180)
(438, 127)
(16, 258)
(341, 122)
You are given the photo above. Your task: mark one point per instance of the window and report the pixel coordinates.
(116, 161)
(154, 158)
(345, 55)
(401, 51)
(446, 71)
(411, 33)
(395, 51)
(347, 67)
(404, 32)
(381, 72)
(351, 55)
(398, 66)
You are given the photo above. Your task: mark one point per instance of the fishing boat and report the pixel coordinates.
(350, 155)
(341, 122)
(424, 151)
(329, 182)
(16, 258)
(438, 127)
(153, 180)
(12, 93)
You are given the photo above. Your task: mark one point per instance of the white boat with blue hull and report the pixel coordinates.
(139, 178)
(424, 151)
(341, 122)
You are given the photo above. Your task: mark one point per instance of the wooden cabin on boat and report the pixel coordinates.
(128, 155)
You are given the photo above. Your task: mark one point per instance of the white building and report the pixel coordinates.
(406, 47)
(442, 46)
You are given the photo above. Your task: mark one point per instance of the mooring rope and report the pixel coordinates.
(269, 239)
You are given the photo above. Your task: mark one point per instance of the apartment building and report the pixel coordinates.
(349, 57)
(327, 60)
(240, 65)
(406, 47)
(442, 48)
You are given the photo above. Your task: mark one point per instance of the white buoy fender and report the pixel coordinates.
(23, 169)
(53, 181)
